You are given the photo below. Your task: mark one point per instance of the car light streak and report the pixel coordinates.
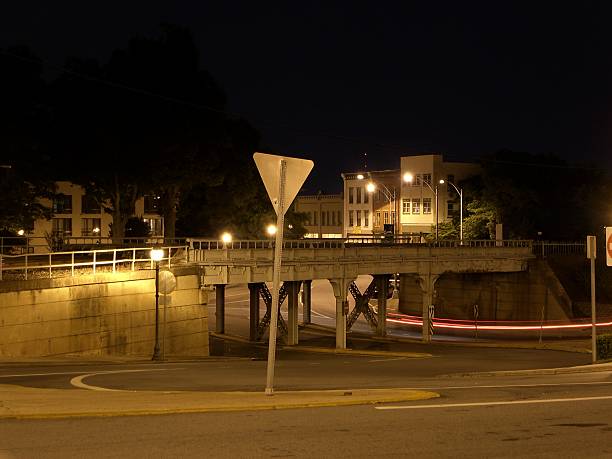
(491, 325)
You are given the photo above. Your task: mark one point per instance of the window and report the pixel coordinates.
(426, 205)
(90, 226)
(339, 218)
(333, 215)
(366, 197)
(156, 225)
(358, 219)
(386, 217)
(323, 218)
(62, 227)
(393, 217)
(416, 206)
(418, 179)
(62, 204)
(450, 208)
(359, 195)
(405, 206)
(89, 205)
(427, 179)
(366, 217)
(377, 218)
(351, 221)
(351, 195)
(151, 204)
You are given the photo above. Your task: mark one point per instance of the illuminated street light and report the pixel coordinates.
(370, 187)
(226, 238)
(360, 177)
(157, 255)
(460, 192)
(21, 232)
(271, 230)
(408, 178)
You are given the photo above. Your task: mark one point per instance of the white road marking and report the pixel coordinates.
(508, 402)
(27, 375)
(77, 381)
(386, 360)
(319, 314)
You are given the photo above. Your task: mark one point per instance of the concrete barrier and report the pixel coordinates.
(106, 314)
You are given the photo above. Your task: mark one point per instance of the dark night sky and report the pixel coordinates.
(331, 80)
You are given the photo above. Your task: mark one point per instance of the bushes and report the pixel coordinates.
(604, 347)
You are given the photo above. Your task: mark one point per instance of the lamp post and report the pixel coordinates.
(460, 192)
(226, 238)
(156, 255)
(371, 187)
(408, 178)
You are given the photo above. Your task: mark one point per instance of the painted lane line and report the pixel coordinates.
(508, 402)
(29, 375)
(387, 360)
(77, 381)
(318, 314)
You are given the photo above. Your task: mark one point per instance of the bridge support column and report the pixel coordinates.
(253, 311)
(307, 300)
(427, 283)
(340, 287)
(292, 313)
(220, 308)
(383, 291)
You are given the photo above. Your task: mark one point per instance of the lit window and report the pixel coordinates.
(90, 226)
(426, 205)
(377, 218)
(405, 206)
(416, 206)
(358, 221)
(351, 220)
(386, 217)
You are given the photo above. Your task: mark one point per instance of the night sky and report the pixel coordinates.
(329, 81)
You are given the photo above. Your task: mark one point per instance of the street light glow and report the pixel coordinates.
(359, 176)
(408, 177)
(21, 232)
(96, 230)
(370, 187)
(157, 254)
(271, 230)
(441, 182)
(226, 238)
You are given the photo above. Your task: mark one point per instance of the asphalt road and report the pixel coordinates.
(517, 416)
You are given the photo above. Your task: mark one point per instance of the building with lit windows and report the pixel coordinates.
(323, 214)
(404, 197)
(76, 214)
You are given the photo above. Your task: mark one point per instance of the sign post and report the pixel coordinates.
(283, 177)
(609, 245)
(591, 254)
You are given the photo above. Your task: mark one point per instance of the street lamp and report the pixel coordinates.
(460, 192)
(157, 254)
(408, 178)
(371, 187)
(271, 230)
(226, 238)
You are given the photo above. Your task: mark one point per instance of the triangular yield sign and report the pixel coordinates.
(296, 173)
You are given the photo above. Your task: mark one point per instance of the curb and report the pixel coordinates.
(189, 402)
(325, 350)
(592, 368)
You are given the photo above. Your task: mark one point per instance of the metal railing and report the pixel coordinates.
(545, 249)
(63, 264)
(215, 244)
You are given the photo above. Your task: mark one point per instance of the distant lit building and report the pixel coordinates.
(375, 198)
(323, 214)
(76, 215)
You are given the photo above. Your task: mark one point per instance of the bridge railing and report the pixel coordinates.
(215, 244)
(62, 264)
(544, 249)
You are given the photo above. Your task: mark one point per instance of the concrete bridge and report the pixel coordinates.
(340, 262)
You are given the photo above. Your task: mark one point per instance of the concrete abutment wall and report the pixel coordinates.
(499, 296)
(108, 314)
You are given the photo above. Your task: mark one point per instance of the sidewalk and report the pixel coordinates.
(18, 402)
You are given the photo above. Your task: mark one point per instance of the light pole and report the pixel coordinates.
(371, 187)
(460, 192)
(408, 178)
(156, 255)
(226, 238)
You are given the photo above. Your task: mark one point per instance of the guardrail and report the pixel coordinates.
(62, 264)
(215, 244)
